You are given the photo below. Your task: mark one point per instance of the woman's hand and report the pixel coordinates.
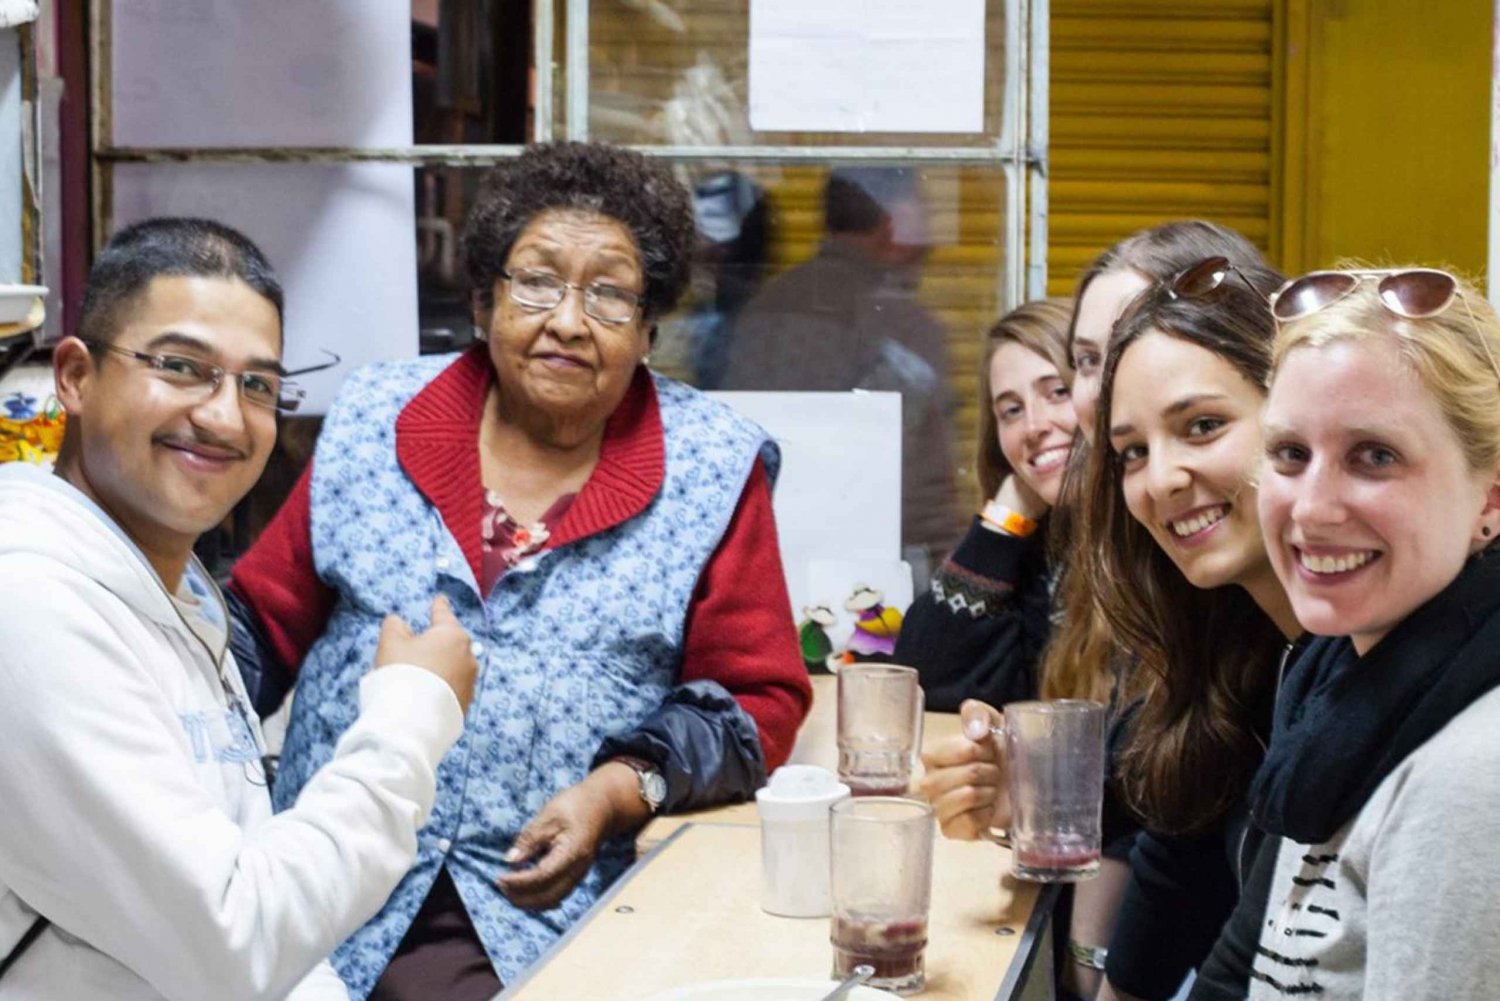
(1015, 494)
(965, 779)
(563, 838)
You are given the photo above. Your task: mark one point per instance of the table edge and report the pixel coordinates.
(598, 905)
(1026, 950)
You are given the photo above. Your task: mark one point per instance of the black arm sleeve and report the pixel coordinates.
(267, 679)
(979, 630)
(702, 742)
(1225, 975)
(1181, 891)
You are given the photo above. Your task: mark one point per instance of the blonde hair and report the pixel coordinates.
(1040, 326)
(1453, 354)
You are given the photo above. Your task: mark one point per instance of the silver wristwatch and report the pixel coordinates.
(653, 786)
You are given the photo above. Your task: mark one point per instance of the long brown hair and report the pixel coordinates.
(1203, 656)
(1081, 660)
(1041, 326)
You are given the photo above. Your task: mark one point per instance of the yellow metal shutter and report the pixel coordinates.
(1160, 109)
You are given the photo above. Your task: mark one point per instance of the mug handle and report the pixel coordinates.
(999, 835)
(919, 708)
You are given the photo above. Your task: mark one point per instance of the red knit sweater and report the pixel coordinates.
(739, 630)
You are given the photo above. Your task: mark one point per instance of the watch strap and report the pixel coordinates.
(653, 786)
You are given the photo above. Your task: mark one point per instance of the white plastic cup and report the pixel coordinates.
(794, 859)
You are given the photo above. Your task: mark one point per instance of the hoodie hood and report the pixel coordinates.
(44, 517)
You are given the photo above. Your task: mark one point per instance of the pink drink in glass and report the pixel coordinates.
(1057, 859)
(881, 882)
(894, 948)
(859, 786)
(1054, 754)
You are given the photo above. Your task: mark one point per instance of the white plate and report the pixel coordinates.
(767, 989)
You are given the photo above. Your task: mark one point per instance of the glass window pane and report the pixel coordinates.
(290, 73)
(471, 71)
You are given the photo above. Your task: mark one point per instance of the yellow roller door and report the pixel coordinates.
(1159, 110)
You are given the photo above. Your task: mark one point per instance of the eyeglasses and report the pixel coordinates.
(1411, 293)
(1197, 280)
(544, 290)
(264, 389)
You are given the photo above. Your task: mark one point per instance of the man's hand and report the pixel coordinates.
(965, 777)
(443, 649)
(563, 838)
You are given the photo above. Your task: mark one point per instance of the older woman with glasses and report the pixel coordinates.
(604, 534)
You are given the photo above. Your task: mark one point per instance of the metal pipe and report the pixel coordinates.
(576, 58)
(477, 155)
(542, 43)
(1038, 147)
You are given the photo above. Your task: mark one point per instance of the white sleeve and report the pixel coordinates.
(107, 832)
(1433, 903)
(322, 984)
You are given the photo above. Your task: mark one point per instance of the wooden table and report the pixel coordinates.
(689, 911)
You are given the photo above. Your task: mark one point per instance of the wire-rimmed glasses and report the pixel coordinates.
(544, 290)
(261, 388)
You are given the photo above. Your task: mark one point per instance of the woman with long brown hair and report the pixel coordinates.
(1185, 584)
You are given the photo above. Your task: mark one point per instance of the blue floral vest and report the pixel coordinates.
(574, 644)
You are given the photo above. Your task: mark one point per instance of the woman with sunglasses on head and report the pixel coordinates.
(1380, 504)
(979, 630)
(1185, 583)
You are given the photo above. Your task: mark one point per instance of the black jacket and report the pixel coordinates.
(1182, 891)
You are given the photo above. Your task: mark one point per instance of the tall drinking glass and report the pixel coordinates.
(1054, 754)
(879, 727)
(882, 889)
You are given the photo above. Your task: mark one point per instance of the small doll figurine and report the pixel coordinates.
(875, 626)
(812, 631)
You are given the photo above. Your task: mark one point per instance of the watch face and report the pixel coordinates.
(653, 788)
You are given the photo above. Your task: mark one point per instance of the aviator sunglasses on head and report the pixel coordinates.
(1411, 293)
(1197, 280)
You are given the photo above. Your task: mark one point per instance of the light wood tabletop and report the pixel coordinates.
(689, 911)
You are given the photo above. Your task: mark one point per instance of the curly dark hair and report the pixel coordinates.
(640, 194)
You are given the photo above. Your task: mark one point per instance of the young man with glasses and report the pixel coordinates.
(138, 854)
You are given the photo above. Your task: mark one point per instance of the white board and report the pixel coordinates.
(838, 497)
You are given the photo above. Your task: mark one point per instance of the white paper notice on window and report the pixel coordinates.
(867, 65)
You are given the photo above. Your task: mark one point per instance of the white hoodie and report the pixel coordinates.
(133, 811)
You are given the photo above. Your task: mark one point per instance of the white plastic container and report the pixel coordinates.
(793, 808)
